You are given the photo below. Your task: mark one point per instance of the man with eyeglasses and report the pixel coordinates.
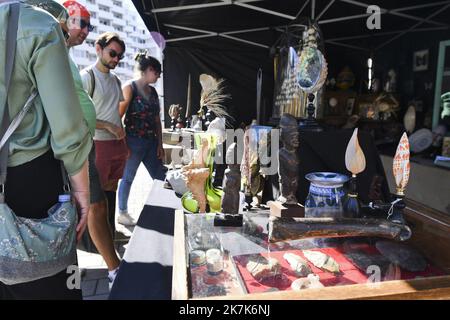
(99, 232)
(111, 151)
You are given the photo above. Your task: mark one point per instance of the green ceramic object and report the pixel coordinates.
(213, 195)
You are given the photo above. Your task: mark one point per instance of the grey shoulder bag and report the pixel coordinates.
(31, 249)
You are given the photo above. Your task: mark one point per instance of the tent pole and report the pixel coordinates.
(313, 9)
(325, 10)
(345, 45)
(414, 26)
(393, 12)
(386, 33)
(249, 6)
(200, 6)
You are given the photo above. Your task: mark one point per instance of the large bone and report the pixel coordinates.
(281, 229)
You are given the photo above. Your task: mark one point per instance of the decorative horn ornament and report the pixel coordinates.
(355, 162)
(282, 229)
(400, 169)
(400, 166)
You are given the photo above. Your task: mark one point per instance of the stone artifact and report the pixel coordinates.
(322, 260)
(232, 182)
(229, 216)
(261, 267)
(309, 282)
(363, 261)
(298, 264)
(403, 255)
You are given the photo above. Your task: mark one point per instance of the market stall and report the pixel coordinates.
(326, 105)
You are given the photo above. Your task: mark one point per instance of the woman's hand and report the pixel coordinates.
(80, 192)
(82, 202)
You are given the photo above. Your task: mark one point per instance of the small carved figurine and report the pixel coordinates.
(196, 183)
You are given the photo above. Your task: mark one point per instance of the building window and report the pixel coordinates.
(103, 8)
(90, 43)
(121, 64)
(105, 22)
(93, 14)
(141, 41)
(117, 3)
(117, 15)
(118, 28)
(91, 1)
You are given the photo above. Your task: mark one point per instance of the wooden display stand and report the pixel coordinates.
(277, 209)
(431, 235)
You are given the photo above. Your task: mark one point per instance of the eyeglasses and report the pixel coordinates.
(66, 35)
(113, 53)
(84, 24)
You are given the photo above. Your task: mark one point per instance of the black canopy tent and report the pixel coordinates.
(233, 39)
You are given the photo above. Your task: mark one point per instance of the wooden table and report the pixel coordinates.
(431, 235)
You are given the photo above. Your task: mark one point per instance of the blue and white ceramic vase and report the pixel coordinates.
(326, 195)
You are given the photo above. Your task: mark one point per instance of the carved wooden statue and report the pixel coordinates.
(232, 182)
(288, 160)
(288, 168)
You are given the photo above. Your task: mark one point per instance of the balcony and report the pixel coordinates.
(118, 20)
(128, 29)
(105, 15)
(106, 3)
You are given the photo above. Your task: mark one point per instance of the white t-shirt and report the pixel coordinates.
(106, 97)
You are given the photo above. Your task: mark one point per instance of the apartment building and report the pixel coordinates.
(119, 16)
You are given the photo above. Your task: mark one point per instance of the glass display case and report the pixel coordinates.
(240, 263)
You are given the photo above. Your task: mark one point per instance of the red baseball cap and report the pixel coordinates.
(76, 9)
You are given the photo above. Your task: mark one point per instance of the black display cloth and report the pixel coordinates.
(325, 151)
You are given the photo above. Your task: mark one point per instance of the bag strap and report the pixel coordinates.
(7, 128)
(91, 73)
(11, 35)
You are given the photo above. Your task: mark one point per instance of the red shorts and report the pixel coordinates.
(110, 159)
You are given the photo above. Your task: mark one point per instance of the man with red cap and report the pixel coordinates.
(98, 226)
(79, 23)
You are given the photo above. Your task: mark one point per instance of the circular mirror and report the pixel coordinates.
(311, 70)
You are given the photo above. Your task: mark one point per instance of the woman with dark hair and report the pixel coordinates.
(142, 125)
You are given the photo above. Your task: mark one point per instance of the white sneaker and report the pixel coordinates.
(126, 219)
(111, 277)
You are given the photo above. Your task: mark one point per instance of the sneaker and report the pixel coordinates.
(111, 277)
(126, 219)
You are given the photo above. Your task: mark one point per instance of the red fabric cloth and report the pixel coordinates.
(76, 9)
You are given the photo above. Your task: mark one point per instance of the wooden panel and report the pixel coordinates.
(179, 273)
(430, 233)
(429, 288)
